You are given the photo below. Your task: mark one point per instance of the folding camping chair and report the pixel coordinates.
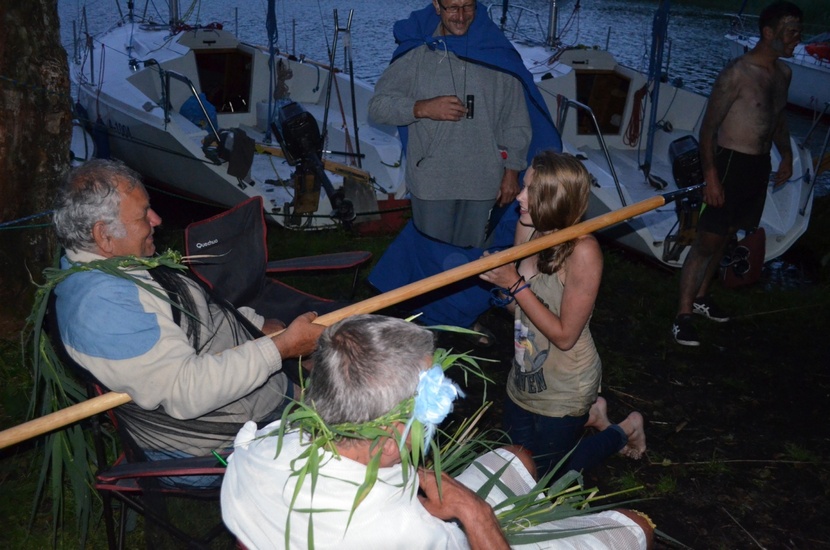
(336, 261)
(234, 264)
(139, 484)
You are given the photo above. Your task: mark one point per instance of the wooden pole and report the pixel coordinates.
(102, 403)
(62, 418)
(490, 262)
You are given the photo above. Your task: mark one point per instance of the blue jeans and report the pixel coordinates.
(193, 482)
(551, 438)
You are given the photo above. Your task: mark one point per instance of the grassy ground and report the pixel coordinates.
(738, 446)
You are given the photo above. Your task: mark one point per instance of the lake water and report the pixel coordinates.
(307, 27)
(695, 53)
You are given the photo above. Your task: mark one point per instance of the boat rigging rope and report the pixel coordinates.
(560, 47)
(100, 83)
(8, 224)
(345, 125)
(323, 24)
(190, 11)
(635, 123)
(572, 19)
(662, 123)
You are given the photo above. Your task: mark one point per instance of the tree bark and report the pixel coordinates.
(35, 130)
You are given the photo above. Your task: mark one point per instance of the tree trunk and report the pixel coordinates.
(35, 129)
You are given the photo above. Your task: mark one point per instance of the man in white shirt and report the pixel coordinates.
(373, 372)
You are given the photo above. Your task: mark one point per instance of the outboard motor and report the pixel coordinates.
(298, 135)
(684, 154)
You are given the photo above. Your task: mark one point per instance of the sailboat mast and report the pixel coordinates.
(173, 8)
(659, 31)
(553, 25)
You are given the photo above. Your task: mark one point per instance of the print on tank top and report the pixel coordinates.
(528, 374)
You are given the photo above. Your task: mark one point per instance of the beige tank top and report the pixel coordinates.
(545, 379)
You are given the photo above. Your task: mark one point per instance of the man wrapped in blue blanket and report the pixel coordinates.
(469, 116)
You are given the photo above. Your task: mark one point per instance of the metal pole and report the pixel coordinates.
(553, 24)
(331, 79)
(347, 43)
(174, 12)
(75, 57)
(655, 69)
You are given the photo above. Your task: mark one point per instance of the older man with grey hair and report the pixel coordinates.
(193, 366)
(366, 369)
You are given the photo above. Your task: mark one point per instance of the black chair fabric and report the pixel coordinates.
(229, 254)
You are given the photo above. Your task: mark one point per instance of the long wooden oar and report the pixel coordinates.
(102, 403)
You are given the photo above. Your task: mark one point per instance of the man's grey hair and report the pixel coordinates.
(88, 195)
(365, 365)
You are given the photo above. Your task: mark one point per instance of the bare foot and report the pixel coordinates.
(598, 415)
(633, 428)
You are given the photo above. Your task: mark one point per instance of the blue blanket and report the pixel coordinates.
(485, 45)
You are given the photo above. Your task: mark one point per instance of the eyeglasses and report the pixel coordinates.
(455, 10)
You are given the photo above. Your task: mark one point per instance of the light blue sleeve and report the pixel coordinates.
(101, 316)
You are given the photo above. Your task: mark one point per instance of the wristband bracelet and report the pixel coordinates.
(521, 288)
(501, 297)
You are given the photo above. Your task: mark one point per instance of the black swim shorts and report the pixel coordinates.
(745, 179)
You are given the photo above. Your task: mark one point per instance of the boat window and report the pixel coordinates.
(225, 78)
(605, 92)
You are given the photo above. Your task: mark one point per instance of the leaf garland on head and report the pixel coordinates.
(433, 401)
(117, 266)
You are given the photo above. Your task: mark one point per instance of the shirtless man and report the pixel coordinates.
(744, 118)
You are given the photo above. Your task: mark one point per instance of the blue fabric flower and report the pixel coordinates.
(433, 402)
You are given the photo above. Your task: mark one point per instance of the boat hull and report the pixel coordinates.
(125, 95)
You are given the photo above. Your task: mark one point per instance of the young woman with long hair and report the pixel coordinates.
(553, 386)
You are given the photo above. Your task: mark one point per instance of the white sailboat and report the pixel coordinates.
(635, 132)
(216, 119)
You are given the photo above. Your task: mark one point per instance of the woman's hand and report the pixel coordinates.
(504, 276)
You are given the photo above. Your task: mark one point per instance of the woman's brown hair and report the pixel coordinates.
(557, 199)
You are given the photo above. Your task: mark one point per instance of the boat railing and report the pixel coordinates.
(564, 105)
(166, 77)
(519, 23)
(820, 161)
